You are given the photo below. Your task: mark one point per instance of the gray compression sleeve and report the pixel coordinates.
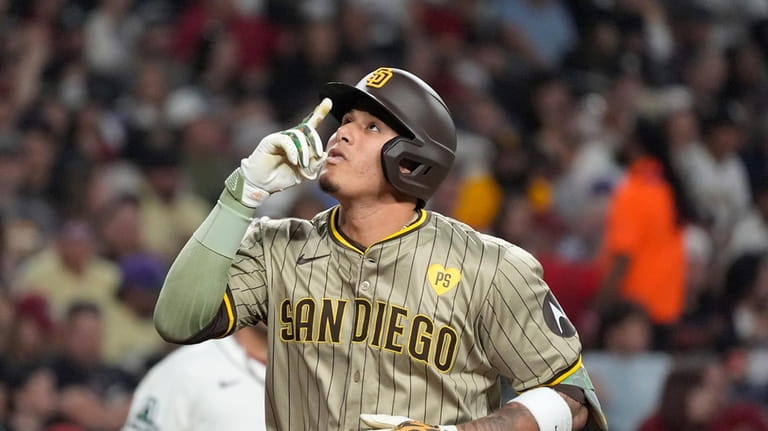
(196, 282)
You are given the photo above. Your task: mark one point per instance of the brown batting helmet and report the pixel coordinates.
(427, 140)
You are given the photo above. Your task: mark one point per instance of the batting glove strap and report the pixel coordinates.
(401, 423)
(245, 191)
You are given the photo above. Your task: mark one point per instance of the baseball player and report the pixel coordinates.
(216, 385)
(381, 314)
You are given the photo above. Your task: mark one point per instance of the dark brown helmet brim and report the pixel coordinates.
(346, 97)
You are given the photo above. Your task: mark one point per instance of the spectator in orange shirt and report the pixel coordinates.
(643, 256)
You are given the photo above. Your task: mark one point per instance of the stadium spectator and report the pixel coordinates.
(205, 138)
(130, 338)
(624, 360)
(169, 212)
(32, 332)
(111, 32)
(702, 326)
(643, 256)
(120, 231)
(93, 395)
(204, 23)
(750, 234)
(33, 398)
(540, 32)
(695, 397)
(715, 176)
(745, 300)
(70, 270)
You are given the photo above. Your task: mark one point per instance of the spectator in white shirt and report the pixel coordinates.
(750, 235)
(715, 176)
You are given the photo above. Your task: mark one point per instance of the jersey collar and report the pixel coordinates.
(347, 242)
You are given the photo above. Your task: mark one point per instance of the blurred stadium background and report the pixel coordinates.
(120, 119)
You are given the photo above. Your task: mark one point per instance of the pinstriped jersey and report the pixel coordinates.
(420, 324)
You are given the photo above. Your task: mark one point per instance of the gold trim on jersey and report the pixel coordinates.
(344, 241)
(230, 314)
(565, 375)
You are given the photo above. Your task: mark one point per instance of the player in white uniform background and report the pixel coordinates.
(215, 385)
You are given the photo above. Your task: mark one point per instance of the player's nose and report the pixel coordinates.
(344, 133)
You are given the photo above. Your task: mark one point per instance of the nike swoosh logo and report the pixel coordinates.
(224, 384)
(302, 260)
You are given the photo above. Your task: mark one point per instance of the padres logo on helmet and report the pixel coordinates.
(379, 77)
(417, 161)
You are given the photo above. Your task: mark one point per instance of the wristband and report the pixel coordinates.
(548, 408)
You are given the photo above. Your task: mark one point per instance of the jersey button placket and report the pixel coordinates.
(364, 286)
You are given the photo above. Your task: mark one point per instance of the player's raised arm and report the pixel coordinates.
(193, 303)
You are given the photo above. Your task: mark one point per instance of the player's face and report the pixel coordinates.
(353, 168)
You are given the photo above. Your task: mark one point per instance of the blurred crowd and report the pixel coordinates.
(622, 142)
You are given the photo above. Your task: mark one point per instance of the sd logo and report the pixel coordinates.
(379, 77)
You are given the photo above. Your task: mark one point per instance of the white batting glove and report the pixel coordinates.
(402, 423)
(281, 160)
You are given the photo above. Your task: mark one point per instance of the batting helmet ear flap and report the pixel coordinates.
(414, 168)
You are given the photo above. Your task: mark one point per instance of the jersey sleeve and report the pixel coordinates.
(248, 277)
(194, 304)
(525, 333)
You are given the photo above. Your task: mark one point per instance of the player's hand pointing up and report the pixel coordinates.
(281, 160)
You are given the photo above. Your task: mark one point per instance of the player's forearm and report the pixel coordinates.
(194, 288)
(511, 416)
(514, 416)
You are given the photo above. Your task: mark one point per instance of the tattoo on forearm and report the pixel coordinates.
(509, 417)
